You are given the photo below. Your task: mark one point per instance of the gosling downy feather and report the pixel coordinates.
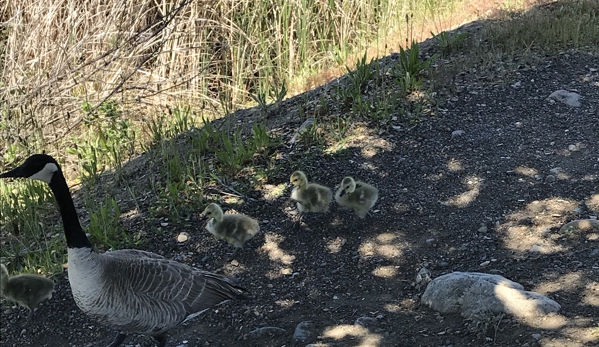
(26, 290)
(310, 197)
(236, 229)
(356, 195)
(132, 290)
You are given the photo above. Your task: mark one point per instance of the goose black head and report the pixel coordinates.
(38, 167)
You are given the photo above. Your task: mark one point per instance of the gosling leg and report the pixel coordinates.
(161, 339)
(29, 318)
(232, 256)
(119, 338)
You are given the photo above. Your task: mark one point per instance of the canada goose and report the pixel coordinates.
(236, 229)
(310, 197)
(133, 290)
(356, 195)
(26, 290)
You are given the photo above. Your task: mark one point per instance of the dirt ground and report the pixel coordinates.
(473, 200)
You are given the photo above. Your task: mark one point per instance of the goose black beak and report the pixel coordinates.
(342, 193)
(16, 172)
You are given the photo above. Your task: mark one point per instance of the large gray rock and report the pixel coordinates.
(472, 293)
(566, 97)
(303, 331)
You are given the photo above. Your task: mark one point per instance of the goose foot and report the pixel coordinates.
(232, 256)
(28, 320)
(161, 339)
(119, 338)
(298, 221)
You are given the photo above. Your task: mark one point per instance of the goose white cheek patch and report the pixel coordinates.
(46, 173)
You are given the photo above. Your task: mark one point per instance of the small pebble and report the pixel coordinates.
(182, 237)
(366, 321)
(536, 249)
(457, 133)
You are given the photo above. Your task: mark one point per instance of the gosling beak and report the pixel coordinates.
(342, 193)
(16, 172)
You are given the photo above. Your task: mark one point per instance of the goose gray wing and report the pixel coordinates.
(134, 253)
(152, 295)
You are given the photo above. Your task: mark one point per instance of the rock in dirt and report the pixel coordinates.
(471, 293)
(536, 249)
(457, 133)
(303, 331)
(182, 237)
(423, 277)
(566, 97)
(581, 224)
(366, 321)
(260, 332)
(305, 125)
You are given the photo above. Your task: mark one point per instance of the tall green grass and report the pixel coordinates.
(67, 64)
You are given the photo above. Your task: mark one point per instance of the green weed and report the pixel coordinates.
(104, 226)
(260, 99)
(363, 74)
(410, 69)
(31, 241)
(448, 42)
(108, 142)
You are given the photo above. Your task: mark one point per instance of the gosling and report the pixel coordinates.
(310, 197)
(356, 195)
(26, 290)
(236, 229)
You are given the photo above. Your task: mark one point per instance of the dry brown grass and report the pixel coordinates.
(59, 56)
(62, 60)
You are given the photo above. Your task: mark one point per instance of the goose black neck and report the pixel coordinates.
(72, 229)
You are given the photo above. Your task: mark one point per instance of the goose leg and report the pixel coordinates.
(29, 318)
(298, 221)
(232, 256)
(161, 339)
(119, 338)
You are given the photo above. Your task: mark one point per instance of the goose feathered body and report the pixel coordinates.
(357, 195)
(27, 290)
(142, 292)
(236, 229)
(132, 290)
(310, 197)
